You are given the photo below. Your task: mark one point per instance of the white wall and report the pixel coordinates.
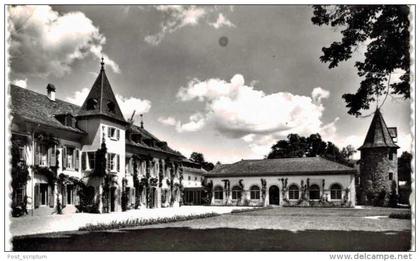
(346, 181)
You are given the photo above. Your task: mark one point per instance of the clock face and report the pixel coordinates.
(223, 41)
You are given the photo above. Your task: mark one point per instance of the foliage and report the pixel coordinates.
(296, 146)
(384, 30)
(404, 167)
(199, 158)
(100, 162)
(20, 173)
(144, 222)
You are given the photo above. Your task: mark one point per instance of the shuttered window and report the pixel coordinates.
(113, 133)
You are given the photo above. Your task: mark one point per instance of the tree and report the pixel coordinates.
(404, 167)
(199, 158)
(296, 146)
(384, 29)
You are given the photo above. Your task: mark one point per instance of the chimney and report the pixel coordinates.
(51, 91)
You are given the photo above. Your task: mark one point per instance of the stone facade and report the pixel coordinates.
(379, 170)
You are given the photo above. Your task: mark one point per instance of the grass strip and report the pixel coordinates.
(144, 222)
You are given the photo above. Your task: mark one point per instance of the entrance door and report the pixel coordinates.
(274, 195)
(43, 189)
(69, 194)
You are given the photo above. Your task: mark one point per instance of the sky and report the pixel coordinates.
(226, 81)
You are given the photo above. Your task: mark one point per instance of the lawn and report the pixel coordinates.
(220, 239)
(278, 229)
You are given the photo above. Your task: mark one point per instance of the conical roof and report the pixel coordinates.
(101, 100)
(378, 135)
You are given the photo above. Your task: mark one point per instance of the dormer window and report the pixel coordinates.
(111, 107)
(91, 104)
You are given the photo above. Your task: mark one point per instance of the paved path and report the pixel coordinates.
(29, 225)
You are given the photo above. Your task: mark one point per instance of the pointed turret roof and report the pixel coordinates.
(378, 135)
(101, 100)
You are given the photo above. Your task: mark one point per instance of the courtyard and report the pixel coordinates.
(276, 229)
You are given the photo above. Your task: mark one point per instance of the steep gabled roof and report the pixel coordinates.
(38, 108)
(101, 92)
(378, 135)
(283, 166)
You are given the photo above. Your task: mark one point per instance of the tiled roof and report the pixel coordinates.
(147, 135)
(378, 135)
(194, 170)
(38, 108)
(283, 166)
(102, 93)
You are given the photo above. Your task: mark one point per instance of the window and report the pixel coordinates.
(91, 160)
(88, 160)
(189, 177)
(22, 154)
(70, 155)
(391, 155)
(336, 191)
(113, 133)
(255, 192)
(111, 107)
(314, 192)
(113, 162)
(236, 192)
(195, 178)
(390, 176)
(293, 192)
(91, 104)
(45, 156)
(218, 193)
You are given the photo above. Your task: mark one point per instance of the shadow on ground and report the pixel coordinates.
(220, 239)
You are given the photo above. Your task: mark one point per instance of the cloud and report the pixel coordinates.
(196, 122)
(21, 82)
(222, 21)
(127, 105)
(170, 121)
(43, 42)
(79, 97)
(237, 110)
(176, 17)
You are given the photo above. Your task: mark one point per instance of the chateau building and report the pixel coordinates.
(89, 157)
(310, 181)
(379, 163)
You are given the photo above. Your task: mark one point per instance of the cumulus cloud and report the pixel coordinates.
(222, 21)
(44, 42)
(196, 122)
(176, 17)
(21, 82)
(127, 105)
(237, 110)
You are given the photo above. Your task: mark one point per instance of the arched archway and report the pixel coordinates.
(274, 195)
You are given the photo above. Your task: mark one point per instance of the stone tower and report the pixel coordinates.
(378, 163)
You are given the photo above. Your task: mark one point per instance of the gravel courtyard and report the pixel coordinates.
(277, 229)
